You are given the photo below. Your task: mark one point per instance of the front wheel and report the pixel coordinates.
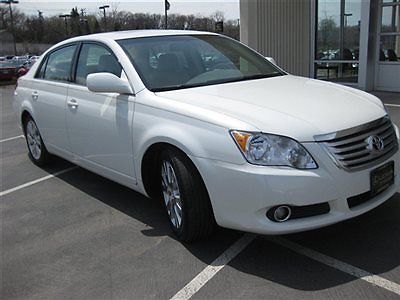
(185, 197)
(37, 150)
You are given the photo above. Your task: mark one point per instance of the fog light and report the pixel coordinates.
(281, 213)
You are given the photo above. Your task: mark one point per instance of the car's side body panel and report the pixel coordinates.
(100, 129)
(195, 131)
(48, 102)
(193, 137)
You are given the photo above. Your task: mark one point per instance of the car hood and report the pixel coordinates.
(287, 105)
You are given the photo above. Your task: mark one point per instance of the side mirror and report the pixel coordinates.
(271, 60)
(108, 83)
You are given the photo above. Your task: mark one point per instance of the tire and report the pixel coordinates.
(196, 216)
(38, 153)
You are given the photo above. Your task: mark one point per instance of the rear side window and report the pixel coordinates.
(94, 58)
(59, 62)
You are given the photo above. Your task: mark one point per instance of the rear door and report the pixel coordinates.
(100, 124)
(49, 94)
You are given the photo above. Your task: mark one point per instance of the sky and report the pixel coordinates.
(203, 7)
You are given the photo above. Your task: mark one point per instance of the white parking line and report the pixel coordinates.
(339, 265)
(12, 138)
(211, 270)
(36, 181)
(394, 105)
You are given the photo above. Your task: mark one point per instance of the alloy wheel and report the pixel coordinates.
(34, 140)
(171, 194)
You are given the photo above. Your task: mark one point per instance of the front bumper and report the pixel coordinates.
(241, 195)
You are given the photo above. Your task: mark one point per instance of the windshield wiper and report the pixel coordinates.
(190, 85)
(260, 76)
(177, 87)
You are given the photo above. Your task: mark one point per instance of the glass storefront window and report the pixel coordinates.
(390, 48)
(351, 29)
(328, 31)
(391, 19)
(337, 72)
(338, 31)
(337, 40)
(390, 32)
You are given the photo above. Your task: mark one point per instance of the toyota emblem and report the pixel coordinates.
(375, 143)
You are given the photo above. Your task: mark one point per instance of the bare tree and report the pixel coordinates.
(28, 30)
(218, 16)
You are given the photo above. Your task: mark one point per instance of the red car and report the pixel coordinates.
(22, 70)
(8, 70)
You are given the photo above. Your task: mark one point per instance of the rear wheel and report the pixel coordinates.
(37, 150)
(185, 197)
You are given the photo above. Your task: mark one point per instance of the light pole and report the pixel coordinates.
(345, 19)
(9, 2)
(39, 33)
(65, 16)
(166, 8)
(104, 13)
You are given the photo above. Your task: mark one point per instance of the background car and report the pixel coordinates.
(22, 70)
(34, 58)
(8, 70)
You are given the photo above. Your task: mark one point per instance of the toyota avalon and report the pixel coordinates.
(217, 132)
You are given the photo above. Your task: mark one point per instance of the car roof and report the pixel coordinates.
(120, 35)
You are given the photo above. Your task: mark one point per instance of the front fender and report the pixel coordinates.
(194, 137)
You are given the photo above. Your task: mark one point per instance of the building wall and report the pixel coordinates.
(280, 29)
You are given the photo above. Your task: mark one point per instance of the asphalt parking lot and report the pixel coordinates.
(68, 233)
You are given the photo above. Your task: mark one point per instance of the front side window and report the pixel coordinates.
(94, 58)
(183, 61)
(59, 62)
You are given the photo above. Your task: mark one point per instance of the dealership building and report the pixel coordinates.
(354, 42)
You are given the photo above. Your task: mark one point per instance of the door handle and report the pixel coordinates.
(73, 104)
(35, 96)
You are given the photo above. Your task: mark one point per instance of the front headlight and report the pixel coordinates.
(273, 150)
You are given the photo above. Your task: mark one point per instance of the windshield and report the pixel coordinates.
(175, 62)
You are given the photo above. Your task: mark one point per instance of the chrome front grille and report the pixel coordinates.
(363, 146)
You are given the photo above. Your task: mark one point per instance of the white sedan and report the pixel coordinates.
(218, 132)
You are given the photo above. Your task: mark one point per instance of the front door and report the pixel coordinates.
(100, 124)
(388, 58)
